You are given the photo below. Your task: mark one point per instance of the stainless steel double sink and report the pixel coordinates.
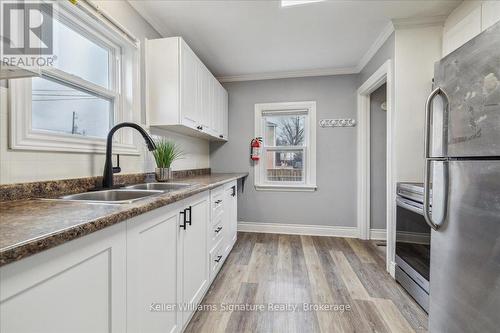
(125, 195)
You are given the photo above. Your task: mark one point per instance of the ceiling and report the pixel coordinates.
(258, 39)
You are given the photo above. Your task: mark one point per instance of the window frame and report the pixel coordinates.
(307, 108)
(123, 89)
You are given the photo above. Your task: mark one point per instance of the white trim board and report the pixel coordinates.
(381, 76)
(419, 22)
(378, 234)
(298, 229)
(290, 74)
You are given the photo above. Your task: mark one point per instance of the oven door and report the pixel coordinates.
(413, 241)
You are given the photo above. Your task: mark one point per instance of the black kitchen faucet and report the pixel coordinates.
(107, 180)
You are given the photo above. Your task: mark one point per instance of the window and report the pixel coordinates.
(288, 159)
(72, 105)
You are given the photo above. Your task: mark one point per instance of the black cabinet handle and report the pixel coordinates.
(190, 215)
(234, 191)
(218, 258)
(183, 213)
(218, 202)
(218, 229)
(221, 136)
(199, 127)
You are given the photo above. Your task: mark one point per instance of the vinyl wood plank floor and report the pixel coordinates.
(290, 271)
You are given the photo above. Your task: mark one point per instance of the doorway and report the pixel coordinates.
(378, 158)
(382, 77)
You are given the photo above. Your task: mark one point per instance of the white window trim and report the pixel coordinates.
(124, 88)
(309, 184)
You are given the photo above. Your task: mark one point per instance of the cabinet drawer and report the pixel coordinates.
(216, 258)
(217, 230)
(217, 202)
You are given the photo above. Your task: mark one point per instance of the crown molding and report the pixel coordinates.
(377, 44)
(289, 74)
(420, 22)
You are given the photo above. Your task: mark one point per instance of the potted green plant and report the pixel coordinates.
(165, 154)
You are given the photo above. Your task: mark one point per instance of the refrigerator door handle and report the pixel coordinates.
(428, 116)
(427, 197)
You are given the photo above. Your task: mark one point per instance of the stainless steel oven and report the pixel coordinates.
(413, 244)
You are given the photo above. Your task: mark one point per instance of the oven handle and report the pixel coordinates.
(404, 204)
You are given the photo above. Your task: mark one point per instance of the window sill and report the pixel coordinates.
(287, 188)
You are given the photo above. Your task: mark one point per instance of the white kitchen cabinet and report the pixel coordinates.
(467, 21)
(181, 93)
(152, 271)
(79, 286)
(231, 216)
(223, 232)
(193, 253)
(146, 274)
(225, 115)
(490, 14)
(167, 265)
(189, 99)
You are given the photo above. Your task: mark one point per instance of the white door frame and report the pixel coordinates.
(381, 76)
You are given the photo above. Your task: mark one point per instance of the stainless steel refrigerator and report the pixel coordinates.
(463, 171)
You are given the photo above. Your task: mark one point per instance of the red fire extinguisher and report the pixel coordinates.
(255, 148)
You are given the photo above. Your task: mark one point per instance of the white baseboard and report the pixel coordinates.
(378, 234)
(298, 229)
(392, 269)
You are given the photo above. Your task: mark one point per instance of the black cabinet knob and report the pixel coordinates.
(218, 258)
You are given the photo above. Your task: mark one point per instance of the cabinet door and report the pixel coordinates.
(462, 32)
(189, 77)
(490, 14)
(231, 224)
(152, 283)
(219, 114)
(79, 286)
(225, 114)
(194, 253)
(212, 107)
(215, 115)
(206, 97)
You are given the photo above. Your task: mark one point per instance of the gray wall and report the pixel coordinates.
(334, 203)
(378, 153)
(385, 52)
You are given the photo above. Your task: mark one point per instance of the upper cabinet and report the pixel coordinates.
(181, 93)
(467, 21)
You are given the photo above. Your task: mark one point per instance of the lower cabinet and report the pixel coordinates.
(79, 286)
(147, 274)
(231, 216)
(222, 235)
(167, 265)
(193, 254)
(152, 275)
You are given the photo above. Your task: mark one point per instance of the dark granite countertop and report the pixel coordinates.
(31, 226)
